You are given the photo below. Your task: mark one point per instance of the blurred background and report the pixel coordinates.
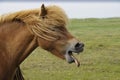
(74, 9)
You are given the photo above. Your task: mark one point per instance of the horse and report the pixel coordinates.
(23, 31)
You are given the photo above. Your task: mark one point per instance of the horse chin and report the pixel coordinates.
(70, 58)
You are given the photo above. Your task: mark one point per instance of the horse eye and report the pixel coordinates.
(43, 17)
(59, 28)
(53, 29)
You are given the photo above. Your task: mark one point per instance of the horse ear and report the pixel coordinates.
(43, 12)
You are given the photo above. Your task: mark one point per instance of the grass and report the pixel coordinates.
(99, 61)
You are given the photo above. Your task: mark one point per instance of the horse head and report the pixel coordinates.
(56, 39)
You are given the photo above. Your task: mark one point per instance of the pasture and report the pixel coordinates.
(99, 61)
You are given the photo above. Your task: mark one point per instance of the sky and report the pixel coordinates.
(74, 9)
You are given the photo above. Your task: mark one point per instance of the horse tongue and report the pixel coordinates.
(76, 61)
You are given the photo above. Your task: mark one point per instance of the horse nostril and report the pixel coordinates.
(79, 45)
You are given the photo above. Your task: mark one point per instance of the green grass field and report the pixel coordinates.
(99, 61)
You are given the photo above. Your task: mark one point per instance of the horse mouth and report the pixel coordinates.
(71, 58)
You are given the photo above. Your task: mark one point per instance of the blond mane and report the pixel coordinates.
(55, 17)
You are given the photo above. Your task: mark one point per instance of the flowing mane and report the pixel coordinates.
(22, 32)
(55, 16)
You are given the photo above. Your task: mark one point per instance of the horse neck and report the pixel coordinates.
(16, 43)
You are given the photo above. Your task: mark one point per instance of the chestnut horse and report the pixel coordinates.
(22, 32)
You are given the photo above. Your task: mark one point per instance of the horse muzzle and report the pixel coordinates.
(75, 47)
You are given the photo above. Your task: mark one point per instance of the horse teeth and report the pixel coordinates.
(76, 61)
